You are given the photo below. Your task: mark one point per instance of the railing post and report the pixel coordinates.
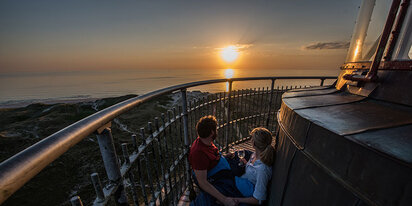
(322, 81)
(159, 148)
(155, 162)
(185, 117)
(227, 129)
(97, 187)
(272, 86)
(129, 174)
(186, 137)
(145, 158)
(111, 164)
(134, 142)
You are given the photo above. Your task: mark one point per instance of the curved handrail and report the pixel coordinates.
(20, 168)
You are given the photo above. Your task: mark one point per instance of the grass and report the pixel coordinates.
(70, 174)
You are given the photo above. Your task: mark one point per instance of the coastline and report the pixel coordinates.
(14, 104)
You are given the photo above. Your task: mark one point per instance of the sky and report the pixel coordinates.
(53, 36)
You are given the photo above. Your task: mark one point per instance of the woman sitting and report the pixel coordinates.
(258, 171)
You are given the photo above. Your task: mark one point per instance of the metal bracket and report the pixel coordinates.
(107, 125)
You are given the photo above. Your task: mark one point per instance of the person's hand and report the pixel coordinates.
(243, 161)
(228, 201)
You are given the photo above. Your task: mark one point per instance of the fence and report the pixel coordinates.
(153, 169)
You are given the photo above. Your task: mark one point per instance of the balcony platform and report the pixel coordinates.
(335, 146)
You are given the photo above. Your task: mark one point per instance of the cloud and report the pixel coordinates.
(327, 45)
(243, 46)
(239, 47)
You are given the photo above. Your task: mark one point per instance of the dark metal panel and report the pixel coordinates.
(358, 168)
(329, 148)
(300, 125)
(365, 89)
(303, 93)
(396, 87)
(374, 176)
(285, 152)
(374, 163)
(310, 185)
(320, 101)
(396, 142)
(358, 117)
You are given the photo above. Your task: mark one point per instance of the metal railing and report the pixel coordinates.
(154, 168)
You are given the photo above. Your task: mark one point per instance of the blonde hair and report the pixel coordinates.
(262, 140)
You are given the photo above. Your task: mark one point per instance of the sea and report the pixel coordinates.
(19, 89)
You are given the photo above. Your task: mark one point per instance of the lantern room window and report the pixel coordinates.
(368, 30)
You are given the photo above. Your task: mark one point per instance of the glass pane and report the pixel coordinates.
(403, 48)
(368, 29)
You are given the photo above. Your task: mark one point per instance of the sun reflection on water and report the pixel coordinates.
(229, 73)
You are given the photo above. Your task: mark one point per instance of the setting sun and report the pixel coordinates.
(230, 53)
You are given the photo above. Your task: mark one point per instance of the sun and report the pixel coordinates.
(229, 54)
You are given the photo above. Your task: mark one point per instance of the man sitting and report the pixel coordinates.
(206, 161)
